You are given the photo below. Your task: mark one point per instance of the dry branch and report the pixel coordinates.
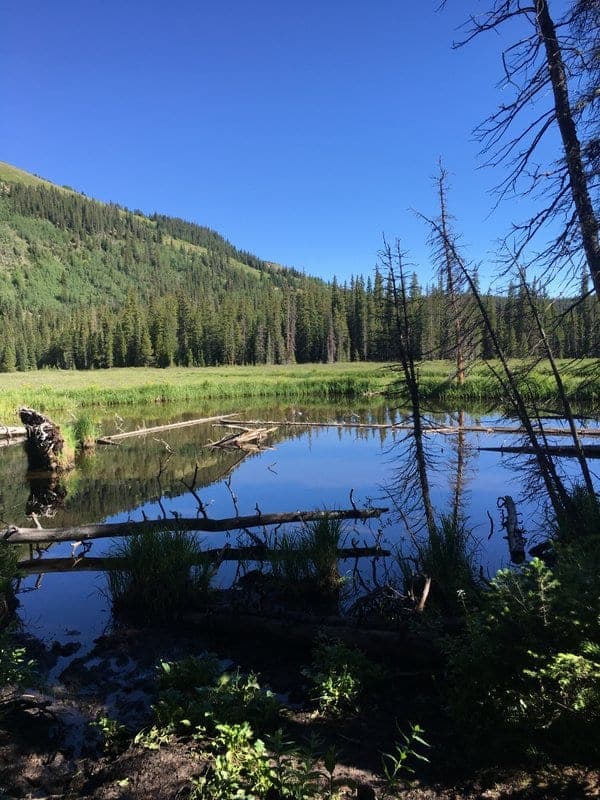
(105, 530)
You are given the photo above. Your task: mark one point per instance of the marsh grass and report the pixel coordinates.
(158, 581)
(69, 390)
(85, 431)
(448, 556)
(307, 567)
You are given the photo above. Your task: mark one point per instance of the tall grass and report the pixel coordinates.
(68, 390)
(305, 564)
(447, 555)
(52, 390)
(158, 581)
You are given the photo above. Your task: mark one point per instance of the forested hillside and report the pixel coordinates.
(86, 285)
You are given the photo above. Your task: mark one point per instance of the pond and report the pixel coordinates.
(304, 468)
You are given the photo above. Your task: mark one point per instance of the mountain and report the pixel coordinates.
(86, 285)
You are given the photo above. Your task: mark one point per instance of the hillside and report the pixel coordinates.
(85, 284)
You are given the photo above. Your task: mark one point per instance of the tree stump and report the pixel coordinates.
(45, 444)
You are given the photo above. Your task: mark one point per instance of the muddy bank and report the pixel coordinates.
(48, 748)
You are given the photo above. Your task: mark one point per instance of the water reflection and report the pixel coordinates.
(309, 467)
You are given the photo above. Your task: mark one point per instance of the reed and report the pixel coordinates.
(157, 582)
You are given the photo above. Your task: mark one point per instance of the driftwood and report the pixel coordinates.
(248, 438)
(44, 444)
(105, 530)
(35, 566)
(514, 533)
(567, 450)
(449, 430)
(10, 433)
(116, 437)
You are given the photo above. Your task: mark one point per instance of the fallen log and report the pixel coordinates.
(11, 432)
(116, 437)
(417, 651)
(567, 450)
(106, 530)
(248, 437)
(38, 566)
(402, 426)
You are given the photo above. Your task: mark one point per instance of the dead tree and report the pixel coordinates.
(551, 68)
(393, 262)
(45, 444)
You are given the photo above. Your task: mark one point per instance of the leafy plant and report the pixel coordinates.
(398, 764)
(243, 767)
(15, 668)
(114, 733)
(341, 676)
(195, 695)
(526, 673)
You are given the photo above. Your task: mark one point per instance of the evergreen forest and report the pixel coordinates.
(87, 285)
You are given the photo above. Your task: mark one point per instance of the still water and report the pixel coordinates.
(304, 468)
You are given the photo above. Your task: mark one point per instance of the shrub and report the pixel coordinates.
(526, 673)
(341, 676)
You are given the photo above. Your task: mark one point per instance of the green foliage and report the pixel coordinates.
(243, 767)
(342, 677)
(160, 580)
(15, 668)
(195, 696)
(114, 734)
(85, 431)
(397, 765)
(526, 673)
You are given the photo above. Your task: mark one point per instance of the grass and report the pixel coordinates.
(158, 583)
(55, 390)
(68, 391)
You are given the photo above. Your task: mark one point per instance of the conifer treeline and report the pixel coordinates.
(89, 285)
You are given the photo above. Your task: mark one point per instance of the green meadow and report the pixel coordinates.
(68, 390)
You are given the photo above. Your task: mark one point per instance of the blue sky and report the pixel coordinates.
(300, 131)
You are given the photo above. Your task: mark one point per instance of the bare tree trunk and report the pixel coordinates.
(588, 222)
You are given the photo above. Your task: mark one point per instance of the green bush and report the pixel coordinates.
(195, 695)
(526, 673)
(342, 676)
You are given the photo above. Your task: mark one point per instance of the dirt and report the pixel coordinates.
(48, 749)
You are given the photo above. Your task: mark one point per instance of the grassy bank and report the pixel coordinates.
(55, 390)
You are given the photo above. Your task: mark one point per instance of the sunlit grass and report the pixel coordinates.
(68, 391)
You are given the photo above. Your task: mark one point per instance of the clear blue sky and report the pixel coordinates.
(300, 131)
